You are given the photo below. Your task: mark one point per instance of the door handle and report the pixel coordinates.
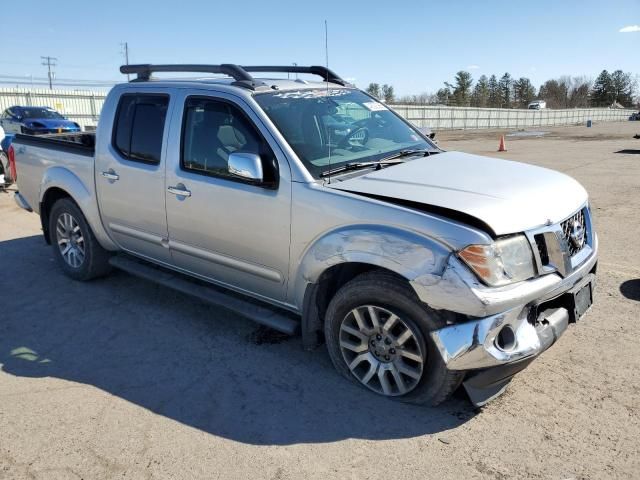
(110, 175)
(180, 190)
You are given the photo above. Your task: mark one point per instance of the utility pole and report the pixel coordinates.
(49, 62)
(125, 52)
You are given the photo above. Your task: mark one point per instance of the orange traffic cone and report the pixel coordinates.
(503, 146)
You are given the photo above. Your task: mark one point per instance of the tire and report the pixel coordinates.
(398, 373)
(85, 258)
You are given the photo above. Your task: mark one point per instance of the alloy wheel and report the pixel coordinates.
(70, 240)
(382, 350)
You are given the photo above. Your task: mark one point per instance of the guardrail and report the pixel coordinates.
(84, 106)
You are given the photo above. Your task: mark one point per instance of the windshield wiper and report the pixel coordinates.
(390, 160)
(358, 165)
(409, 153)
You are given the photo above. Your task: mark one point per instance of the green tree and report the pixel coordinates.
(505, 90)
(480, 95)
(374, 90)
(622, 88)
(387, 93)
(602, 90)
(462, 88)
(494, 92)
(523, 92)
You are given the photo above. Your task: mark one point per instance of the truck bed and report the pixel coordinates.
(53, 159)
(83, 143)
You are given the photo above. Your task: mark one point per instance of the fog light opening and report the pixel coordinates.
(506, 339)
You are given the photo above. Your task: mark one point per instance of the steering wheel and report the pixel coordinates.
(361, 134)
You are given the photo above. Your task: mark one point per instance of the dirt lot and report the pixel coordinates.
(122, 378)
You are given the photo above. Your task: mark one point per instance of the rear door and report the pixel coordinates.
(130, 175)
(229, 231)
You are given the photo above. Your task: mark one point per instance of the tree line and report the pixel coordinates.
(509, 92)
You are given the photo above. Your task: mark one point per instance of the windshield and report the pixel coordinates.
(39, 113)
(329, 128)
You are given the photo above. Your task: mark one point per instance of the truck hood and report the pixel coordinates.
(507, 196)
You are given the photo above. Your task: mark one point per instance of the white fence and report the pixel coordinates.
(83, 106)
(440, 118)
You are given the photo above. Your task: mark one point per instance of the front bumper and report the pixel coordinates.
(492, 349)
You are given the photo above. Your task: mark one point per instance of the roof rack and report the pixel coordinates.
(238, 73)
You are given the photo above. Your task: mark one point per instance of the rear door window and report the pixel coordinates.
(139, 127)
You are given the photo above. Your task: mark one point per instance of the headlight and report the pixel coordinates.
(505, 261)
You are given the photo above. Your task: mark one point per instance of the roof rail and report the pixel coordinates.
(238, 73)
(324, 72)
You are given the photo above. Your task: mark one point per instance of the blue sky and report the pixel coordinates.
(412, 45)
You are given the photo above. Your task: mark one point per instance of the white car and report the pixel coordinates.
(537, 105)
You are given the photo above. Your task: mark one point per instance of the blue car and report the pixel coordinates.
(35, 121)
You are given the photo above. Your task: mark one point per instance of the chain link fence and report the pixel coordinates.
(84, 106)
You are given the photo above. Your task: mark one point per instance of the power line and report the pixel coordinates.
(49, 62)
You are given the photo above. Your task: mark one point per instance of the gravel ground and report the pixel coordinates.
(122, 378)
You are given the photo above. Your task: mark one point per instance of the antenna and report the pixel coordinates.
(326, 59)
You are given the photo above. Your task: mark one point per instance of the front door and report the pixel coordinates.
(220, 227)
(130, 176)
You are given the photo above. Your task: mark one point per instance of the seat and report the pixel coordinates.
(313, 131)
(206, 151)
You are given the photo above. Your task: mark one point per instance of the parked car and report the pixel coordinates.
(35, 121)
(537, 105)
(634, 116)
(312, 207)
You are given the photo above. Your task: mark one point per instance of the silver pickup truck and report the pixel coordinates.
(313, 208)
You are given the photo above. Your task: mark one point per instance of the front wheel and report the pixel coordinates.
(377, 333)
(74, 245)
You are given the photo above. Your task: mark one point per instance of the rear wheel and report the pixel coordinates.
(377, 333)
(74, 245)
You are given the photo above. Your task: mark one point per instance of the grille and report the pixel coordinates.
(574, 231)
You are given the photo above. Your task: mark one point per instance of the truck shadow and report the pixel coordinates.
(187, 361)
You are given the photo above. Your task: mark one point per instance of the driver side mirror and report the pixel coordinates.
(427, 132)
(247, 166)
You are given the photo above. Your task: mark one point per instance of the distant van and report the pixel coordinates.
(537, 105)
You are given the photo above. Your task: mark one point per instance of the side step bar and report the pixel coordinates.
(252, 309)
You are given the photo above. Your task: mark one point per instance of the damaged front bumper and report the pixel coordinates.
(493, 348)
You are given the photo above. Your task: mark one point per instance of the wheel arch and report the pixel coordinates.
(341, 255)
(59, 182)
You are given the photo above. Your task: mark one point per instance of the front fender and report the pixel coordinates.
(65, 179)
(416, 257)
